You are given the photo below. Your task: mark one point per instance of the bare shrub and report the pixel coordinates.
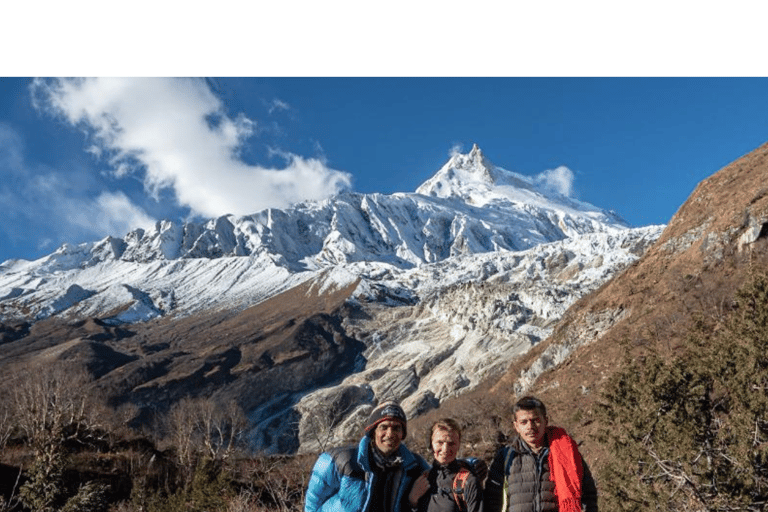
(243, 502)
(181, 426)
(125, 506)
(322, 421)
(7, 425)
(205, 425)
(52, 405)
(222, 426)
(275, 483)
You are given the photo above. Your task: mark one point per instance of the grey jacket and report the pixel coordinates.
(529, 487)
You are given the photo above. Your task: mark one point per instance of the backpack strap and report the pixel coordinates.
(508, 459)
(345, 460)
(505, 486)
(458, 488)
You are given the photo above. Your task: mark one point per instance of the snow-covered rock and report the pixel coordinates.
(452, 282)
(468, 207)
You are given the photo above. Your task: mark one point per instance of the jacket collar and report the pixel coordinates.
(521, 446)
(363, 455)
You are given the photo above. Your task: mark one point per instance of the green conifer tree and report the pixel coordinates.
(689, 430)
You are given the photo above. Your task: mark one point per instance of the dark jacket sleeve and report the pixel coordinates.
(493, 496)
(411, 475)
(588, 491)
(473, 494)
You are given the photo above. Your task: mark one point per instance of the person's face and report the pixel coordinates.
(531, 426)
(445, 445)
(387, 436)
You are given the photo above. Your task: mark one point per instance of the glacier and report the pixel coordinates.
(451, 283)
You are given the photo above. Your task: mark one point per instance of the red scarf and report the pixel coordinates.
(566, 469)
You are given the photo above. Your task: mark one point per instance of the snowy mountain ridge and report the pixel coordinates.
(402, 230)
(478, 261)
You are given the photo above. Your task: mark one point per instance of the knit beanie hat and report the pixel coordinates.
(389, 410)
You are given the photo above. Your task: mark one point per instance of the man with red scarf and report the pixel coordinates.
(541, 470)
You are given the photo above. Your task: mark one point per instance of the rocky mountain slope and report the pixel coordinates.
(716, 240)
(309, 316)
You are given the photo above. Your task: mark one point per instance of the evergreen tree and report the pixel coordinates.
(690, 430)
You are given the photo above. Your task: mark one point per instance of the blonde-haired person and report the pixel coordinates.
(449, 486)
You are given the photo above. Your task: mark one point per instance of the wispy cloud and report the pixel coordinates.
(57, 205)
(559, 180)
(175, 134)
(277, 104)
(111, 212)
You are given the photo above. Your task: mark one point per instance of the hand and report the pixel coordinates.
(481, 469)
(420, 486)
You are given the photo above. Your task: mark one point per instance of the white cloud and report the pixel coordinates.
(11, 148)
(112, 213)
(456, 149)
(277, 104)
(51, 206)
(560, 180)
(76, 215)
(174, 133)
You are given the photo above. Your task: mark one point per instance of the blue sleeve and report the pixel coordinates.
(323, 483)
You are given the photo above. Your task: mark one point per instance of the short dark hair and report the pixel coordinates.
(529, 403)
(448, 424)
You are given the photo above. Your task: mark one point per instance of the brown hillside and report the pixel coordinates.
(708, 249)
(286, 343)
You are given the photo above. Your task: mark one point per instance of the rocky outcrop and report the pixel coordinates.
(465, 327)
(311, 315)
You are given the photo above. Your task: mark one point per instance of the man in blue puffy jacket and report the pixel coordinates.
(374, 476)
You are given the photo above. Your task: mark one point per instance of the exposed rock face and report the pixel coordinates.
(309, 363)
(485, 312)
(310, 316)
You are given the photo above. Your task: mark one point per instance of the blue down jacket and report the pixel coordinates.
(342, 479)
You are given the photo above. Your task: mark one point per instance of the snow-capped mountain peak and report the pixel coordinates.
(474, 166)
(463, 176)
(473, 178)
(422, 295)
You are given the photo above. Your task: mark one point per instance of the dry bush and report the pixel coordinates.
(222, 426)
(125, 506)
(54, 410)
(275, 483)
(7, 425)
(180, 426)
(52, 406)
(205, 426)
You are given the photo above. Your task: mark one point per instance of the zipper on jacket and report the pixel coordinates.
(540, 458)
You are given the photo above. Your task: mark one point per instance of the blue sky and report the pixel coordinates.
(83, 159)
